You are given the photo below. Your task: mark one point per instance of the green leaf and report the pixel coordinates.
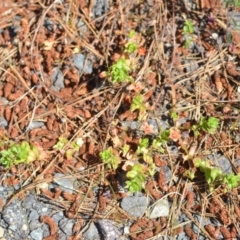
(109, 158)
(131, 34)
(134, 186)
(131, 47)
(137, 102)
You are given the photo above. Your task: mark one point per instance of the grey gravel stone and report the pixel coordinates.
(221, 161)
(14, 214)
(58, 79)
(66, 184)
(91, 233)
(167, 172)
(35, 124)
(100, 7)
(57, 217)
(66, 225)
(82, 64)
(108, 229)
(3, 122)
(135, 205)
(37, 234)
(29, 201)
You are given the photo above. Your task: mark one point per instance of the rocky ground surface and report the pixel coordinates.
(58, 93)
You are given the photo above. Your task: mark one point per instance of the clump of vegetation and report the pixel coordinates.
(120, 70)
(188, 30)
(17, 153)
(214, 176)
(72, 148)
(139, 165)
(208, 125)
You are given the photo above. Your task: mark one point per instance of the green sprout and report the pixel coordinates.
(188, 27)
(214, 176)
(19, 153)
(72, 148)
(158, 142)
(136, 178)
(119, 71)
(131, 47)
(109, 158)
(209, 125)
(188, 30)
(232, 3)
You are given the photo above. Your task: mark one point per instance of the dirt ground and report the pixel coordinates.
(58, 92)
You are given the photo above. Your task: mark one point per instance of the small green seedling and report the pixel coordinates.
(119, 71)
(214, 176)
(72, 148)
(188, 27)
(160, 140)
(209, 125)
(136, 178)
(231, 180)
(188, 30)
(138, 104)
(109, 158)
(132, 45)
(19, 153)
(232, 3)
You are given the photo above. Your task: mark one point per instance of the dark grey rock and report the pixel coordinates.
(221, 161)
(58, 216)
(33, 215)
(35, 124)
(66, 226)
(3, 122)
(58, 79)
(48, 23)
(91, 233)
(167, 172)
(135, 205)
(34, 225)
(100, 7)
(46, 231)
(82, 64)
(37, 234)
(65, 183)
(29, 201)
(108, 229)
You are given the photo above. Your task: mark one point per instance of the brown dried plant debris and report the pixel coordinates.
(189, 232)
(52, 225)
(151, 188)
(190, 199)
(213, 231)
(144, 228)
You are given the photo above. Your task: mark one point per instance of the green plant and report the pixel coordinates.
(232, 3)
(188, 27)
(214, 175)
(19, 153)
(209, 125)
(119, 71)
(158, 142)
(188, 30)
(109, 158)
(72, 148)
(138, 104)
(136, 178)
